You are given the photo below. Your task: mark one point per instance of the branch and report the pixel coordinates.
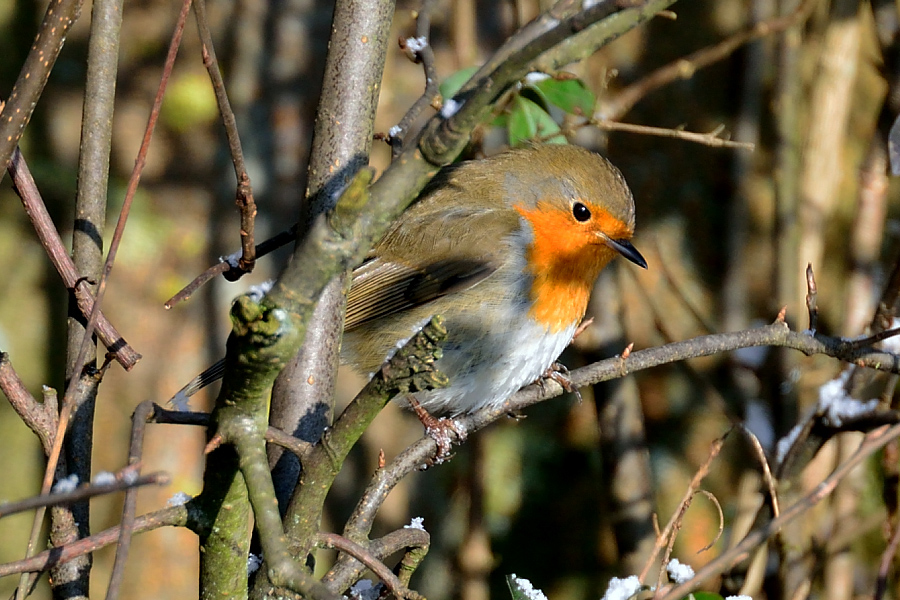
(775, 334)
(174, 516)
(126, 528)
(46, 231)
(447, 133)
(410, 369)
(229, 268)
(684, 68)
(303, 395)
(87, 255)
(873, 442)
(244, 192)
(425, 55)
(40, 418)
(348, 570)
(125, 480)
(363, 555)
(667, 535)
(26, 92)
(443, 138)
(707, 139)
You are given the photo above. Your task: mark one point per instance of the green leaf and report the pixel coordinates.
(454, 82)
(528, 121)
(571, 95)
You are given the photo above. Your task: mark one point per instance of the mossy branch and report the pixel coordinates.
(263, 339)
(410, 370)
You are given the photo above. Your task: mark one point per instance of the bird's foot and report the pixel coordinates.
(560, 374)
(439, 430)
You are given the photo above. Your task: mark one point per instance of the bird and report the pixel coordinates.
(507, 250)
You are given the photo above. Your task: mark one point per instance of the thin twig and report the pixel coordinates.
(174, 516)
(707, 139)
(188, 291)
(425, 55)
(712, 498)
(874, 338)
(228, 266)
(335, 541)
(202, 419)
(871, 443)
(26, 92)
(244, 194)
(126, 528)
(764, 464)
(178, 417)
(46, 231)
(122, 482)
(684, 68)
(674, 523)
(40, 418)
(812, 293)
(887, 558)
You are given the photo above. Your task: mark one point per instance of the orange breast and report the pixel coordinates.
(564, 260)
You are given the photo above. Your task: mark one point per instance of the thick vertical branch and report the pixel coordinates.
(87, 255)
(302, 398)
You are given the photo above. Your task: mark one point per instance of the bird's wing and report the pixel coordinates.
(432, 253)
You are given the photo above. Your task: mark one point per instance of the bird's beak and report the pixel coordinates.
(625, 248)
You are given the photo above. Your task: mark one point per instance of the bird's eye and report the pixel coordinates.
(581, 212)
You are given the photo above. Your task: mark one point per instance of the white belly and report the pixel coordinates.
(506, 359)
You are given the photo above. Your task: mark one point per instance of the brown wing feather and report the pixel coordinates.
(432, 252)
(390, 287)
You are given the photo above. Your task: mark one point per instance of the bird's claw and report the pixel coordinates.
(559, 373)
(439, 430)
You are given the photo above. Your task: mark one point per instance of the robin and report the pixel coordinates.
(507, 250)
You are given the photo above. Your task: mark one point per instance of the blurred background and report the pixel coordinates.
(727, 234)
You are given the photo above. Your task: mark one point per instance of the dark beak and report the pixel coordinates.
(625, 248)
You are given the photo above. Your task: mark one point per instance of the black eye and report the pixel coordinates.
(581, 212)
